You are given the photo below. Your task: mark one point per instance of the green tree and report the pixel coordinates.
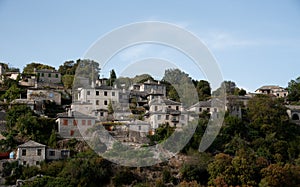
(268, 115)
(29, 68)
(69, 67)
(67, 81)
(294, 90)
(230, 88)
(112, 78)
(12, 93)
(183, 85)
(203, 89)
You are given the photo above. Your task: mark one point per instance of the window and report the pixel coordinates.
(71, 132)
(158, 117)
(42, 74)
(56, 75)
(140, 128)
(105, 102)
(23, 152)
(177, 107)
(39, 74)
(155, 108)
(200, 109)
(39, 152)
(65, 122)
(64, 153)
(112, 93)
(215, 109)
(51, 153)
(97, 102)
(167, 117)
(89, 122)
(49, 74)
(75, 122)
(101, 114)
(37, 163)
(24, 162)
(105, 93)
(97, 92)
(207, 109)
(96, 113)
(88, 93)
(83, 122)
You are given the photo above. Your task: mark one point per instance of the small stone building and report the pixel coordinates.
(31, 153)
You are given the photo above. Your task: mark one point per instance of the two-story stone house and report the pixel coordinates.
(150, 87)
(31, 153)
(73, 124)
(163, 111)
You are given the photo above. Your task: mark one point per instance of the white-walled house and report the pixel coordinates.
(274, 90)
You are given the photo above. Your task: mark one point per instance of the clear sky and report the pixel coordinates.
(254, 42)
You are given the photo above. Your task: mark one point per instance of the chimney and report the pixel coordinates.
(70, 113)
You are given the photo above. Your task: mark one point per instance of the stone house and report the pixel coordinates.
(73, 124)
(274, 90)
(31, 153)
(166, 111)
(34, 94)
(150, 87)
(138, 131)
(48, 76)
(94, 101)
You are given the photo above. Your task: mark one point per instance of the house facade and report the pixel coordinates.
(44, 94)
(31, 153)
(74, 124)
(274, 90)
(163, 111)
(150, 87)
(48, 76)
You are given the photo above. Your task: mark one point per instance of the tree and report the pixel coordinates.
(68, 81)
(112, 78)
(279, 175)
(268, 115)
(86, 70)
(230, 88)
(69, 67)
(203, 89)
(183, 85)
(294, 90)
(12, 93)
(29, 68)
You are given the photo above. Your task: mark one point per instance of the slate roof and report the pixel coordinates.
(269, 87)
(75, 114)
(164, 102)
(31, 143)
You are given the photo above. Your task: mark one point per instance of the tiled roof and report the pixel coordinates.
(32, 143)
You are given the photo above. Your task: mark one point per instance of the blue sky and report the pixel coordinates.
(255, 43)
